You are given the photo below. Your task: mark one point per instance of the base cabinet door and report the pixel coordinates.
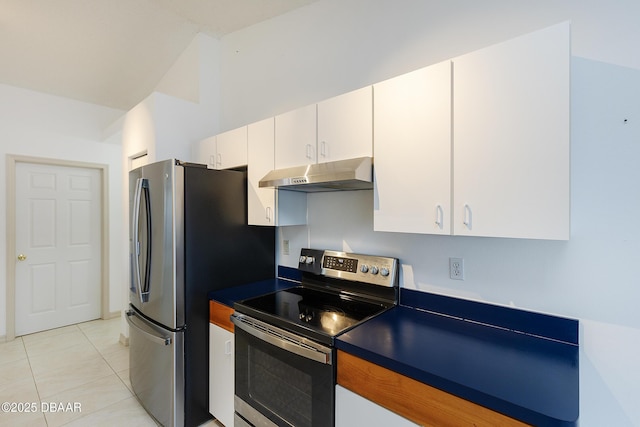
(221, 371)
(354, 410)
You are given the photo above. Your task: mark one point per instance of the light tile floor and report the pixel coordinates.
(81, 364)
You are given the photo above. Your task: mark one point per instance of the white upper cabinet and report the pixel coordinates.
(204, 152)
(335, 129)
(261, 201)
(224, 151)
(412, 152)
(479, 149)
(345, 126)
(295, 138)
(231, 149)
(511, 106)
(268, 206)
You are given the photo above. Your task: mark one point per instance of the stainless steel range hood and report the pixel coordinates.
(351, 174)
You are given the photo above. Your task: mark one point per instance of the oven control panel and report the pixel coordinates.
(371, 269)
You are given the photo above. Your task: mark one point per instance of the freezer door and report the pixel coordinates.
(156, 369)
(156, 203)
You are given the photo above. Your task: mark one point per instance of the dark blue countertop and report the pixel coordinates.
(518, 363)
(289, 278)
(532, 378)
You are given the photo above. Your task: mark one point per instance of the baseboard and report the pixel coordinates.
(124, 340)
(112, 315)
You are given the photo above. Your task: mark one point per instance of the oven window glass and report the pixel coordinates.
(279, 387)
(288, 389)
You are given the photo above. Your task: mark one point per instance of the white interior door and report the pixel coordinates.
(58, 246)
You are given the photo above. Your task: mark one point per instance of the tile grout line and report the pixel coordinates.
(90, 341)
(112, 370)
(33, 378)
(106, 361)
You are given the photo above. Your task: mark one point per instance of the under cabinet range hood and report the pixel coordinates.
(351, 174)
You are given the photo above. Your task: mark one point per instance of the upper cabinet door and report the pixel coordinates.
(511, 138)
(261, 201)
(204, 152)
(231, 149)
(345, 126)
(412, 152)
(296, 138)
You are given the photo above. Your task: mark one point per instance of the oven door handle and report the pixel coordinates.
(283, 339)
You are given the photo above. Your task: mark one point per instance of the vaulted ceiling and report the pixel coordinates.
(112, 52)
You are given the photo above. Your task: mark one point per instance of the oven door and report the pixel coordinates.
(281, 379)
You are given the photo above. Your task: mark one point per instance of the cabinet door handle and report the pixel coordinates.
(323, 149)
(468, 216)
(227, 347)
(309, 152)
(439, 216)
(268, 213)
(219, 160)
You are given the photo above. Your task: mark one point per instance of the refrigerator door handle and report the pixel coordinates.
(152, 337)
(142, 185)
(147, 272)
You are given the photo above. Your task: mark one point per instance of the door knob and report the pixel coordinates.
(22, 257)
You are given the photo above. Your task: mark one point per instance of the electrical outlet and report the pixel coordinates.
(285, 247)
(456, 268)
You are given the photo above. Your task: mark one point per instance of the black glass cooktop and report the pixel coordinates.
(307, 309)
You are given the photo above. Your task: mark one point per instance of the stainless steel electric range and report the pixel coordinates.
(285, 356)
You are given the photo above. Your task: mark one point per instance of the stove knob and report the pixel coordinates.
(364, 268)
(384, 271)
(302, 259)
(309, 317)
(301, 316)
(374, 270)
(310, 260)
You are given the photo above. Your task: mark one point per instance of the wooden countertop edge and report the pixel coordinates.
(416, 401)
(219, 315)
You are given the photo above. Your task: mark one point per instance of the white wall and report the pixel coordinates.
(334, 46)
(183, 110)
(40, 125)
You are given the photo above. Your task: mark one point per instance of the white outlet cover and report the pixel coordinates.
(456, 268)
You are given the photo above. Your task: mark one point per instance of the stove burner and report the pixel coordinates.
(327, 313)
(334, 296)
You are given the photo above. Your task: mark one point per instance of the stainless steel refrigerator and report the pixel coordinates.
(188, 236)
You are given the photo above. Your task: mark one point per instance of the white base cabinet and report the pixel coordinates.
(354, 410)
(221, 374)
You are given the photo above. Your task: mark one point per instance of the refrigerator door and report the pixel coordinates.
(156, 193)
(157, 369)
